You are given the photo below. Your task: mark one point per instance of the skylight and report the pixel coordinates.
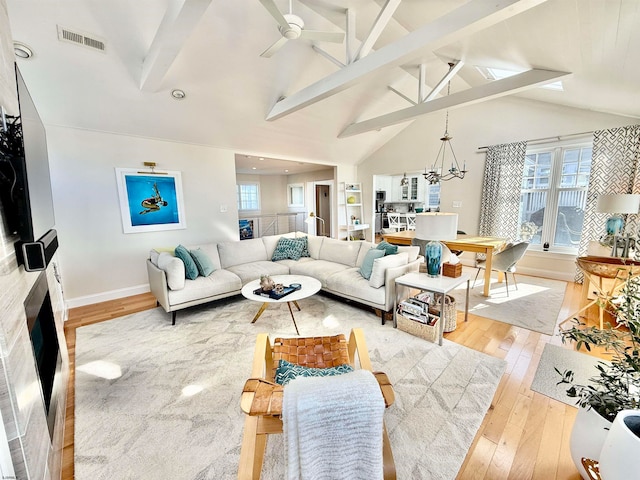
(492, 73)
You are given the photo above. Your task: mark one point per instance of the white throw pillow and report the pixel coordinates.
(380, 266)
(174, 268)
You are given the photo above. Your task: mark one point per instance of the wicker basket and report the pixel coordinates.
(450, 313)
(422, 330)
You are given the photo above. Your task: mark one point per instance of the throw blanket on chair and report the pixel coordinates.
(333, 427)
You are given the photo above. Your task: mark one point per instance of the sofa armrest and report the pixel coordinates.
(390, 276)
(158, 285)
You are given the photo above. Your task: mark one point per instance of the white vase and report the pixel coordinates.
(621, 449)
(589, 432)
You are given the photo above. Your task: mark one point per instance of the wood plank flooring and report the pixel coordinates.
(524, 435)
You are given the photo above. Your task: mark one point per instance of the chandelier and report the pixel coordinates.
(437, 172)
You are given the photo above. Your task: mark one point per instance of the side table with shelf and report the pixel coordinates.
(439, 285)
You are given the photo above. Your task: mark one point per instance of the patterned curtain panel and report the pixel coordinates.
(500, 208)
(614, 169)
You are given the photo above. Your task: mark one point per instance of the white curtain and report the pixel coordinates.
(500, 207)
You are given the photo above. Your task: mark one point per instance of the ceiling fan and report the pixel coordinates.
(291, 27)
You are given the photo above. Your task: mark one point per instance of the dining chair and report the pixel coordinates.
(504, 261)
(411, 221)
(395, 221)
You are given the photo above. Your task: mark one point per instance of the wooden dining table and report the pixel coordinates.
(465, 243)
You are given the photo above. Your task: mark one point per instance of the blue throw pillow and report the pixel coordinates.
(190, 268)
(367, 264)
(388, 248)
(305, 243)
(287, 371)
(288, 248)
(203, 262)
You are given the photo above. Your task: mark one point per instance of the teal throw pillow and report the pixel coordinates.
(367, 264)
(203, 262)
(287, 371)
(388, 248)
(288, 248)
(305, 243)
(190, 268)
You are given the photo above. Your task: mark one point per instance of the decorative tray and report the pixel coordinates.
(272, 293)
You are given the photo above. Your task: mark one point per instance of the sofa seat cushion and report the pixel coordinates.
(242, 251)
(218, 283)
(289, 263)
(252, 271)
(349, 282)
(318, 269)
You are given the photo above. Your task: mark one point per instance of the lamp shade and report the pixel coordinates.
(619, 203)
(436, 226)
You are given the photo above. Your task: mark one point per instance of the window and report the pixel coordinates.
(295, 194)
(554, 194)
(248, 196)
(433, 198)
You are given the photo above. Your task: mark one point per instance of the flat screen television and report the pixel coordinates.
(25, 181)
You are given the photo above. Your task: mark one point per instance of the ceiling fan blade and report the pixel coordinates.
(274, 48)
(275, 13)
(334, 37)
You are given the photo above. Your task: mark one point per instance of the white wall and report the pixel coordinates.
(98, 261)
(489, 123)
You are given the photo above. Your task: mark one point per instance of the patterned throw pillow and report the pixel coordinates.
(305, 242)
(288, 248)
(388, 248)
(287, 371)
(190, 268)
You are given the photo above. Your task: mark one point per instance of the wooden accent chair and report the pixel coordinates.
(262, 398)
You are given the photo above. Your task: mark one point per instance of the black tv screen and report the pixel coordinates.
(25, 182)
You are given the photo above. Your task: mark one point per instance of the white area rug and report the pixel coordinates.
(534, 305)
(160, 402)
(546, 378)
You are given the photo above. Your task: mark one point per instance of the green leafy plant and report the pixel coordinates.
(616, 385)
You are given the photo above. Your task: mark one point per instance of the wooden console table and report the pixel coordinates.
(465, 243)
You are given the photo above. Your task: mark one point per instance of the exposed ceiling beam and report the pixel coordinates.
(447, 77)
(181, 18)
(350, 43)
(385, 15)
(489, 91)
(401, 95)
(467, 19)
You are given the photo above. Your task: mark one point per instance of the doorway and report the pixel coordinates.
(323, 209)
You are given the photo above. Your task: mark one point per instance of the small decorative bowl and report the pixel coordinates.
(297, 286)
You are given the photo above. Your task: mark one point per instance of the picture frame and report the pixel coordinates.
(150, 201)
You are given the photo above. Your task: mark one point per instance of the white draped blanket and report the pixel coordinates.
(333, 427)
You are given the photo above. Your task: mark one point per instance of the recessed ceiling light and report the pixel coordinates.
(286, 171)
(254, 168)
(492, 73)
(261, 158)
(178, 94)
(22, 51)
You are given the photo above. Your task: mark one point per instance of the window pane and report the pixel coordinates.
(568, 226)
(532, 205)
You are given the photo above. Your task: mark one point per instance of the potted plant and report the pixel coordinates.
(616, 383)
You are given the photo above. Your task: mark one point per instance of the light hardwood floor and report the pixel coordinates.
(524, 435)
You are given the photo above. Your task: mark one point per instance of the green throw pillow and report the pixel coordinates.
(288, 248)
(203, 262)
(287, 371)
(190, 268)
(367, 263)
(388, 248)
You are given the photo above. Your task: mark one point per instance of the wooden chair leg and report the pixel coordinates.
(388, 465)
(252, 450)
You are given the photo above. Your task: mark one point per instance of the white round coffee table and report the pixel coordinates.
(309, 286)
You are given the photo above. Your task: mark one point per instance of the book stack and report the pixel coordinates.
(417, 309)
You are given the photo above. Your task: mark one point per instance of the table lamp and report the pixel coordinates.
(435, 226)
(618, 204)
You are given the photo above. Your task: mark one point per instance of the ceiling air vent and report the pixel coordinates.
(80, 38)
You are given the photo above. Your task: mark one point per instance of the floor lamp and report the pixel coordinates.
(311, 219)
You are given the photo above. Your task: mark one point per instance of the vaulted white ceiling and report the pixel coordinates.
(210, 49)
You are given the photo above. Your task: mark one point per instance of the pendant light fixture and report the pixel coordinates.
(404, 182)
(437, 172)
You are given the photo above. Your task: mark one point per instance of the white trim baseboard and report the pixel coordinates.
(106, 296)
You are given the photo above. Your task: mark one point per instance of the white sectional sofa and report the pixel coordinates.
(335, 263)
